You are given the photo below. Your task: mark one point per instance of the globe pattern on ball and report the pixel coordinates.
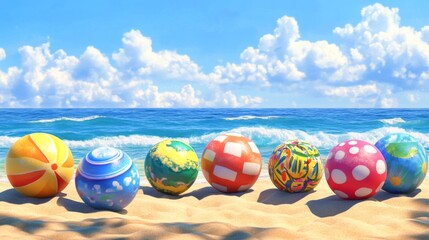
(39, 165)
(171, 166)
(406, 161)
(295, 166)
(107, 179)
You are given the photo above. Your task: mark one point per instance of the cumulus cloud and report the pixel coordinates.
(282, 57)
(2, 54)
(395, 54)
(55, 79)
(137, 57)
(353, 91)
(377, 49)
(369, 62)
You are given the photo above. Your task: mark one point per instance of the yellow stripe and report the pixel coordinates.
(66, 173)
(45, 143)
(23, 165)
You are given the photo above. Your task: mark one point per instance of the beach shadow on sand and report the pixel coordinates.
(26, 225)
(274, 196)
(331, 206)
(383, 195)
(421, 217)
(80, 207)
(14, 197)
(198, 194)
(87, 227)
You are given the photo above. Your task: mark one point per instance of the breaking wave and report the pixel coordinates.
(83, 119)
(260, 135)
(249, 117)
(392, 121)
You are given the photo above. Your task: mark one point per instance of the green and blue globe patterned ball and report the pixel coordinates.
(406, 161)
(171, 166)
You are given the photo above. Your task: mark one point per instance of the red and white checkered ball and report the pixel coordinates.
(355, 169)
(231, 163)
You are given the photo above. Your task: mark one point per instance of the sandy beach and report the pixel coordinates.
(203, 213)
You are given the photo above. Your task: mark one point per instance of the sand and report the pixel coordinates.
(203, 213)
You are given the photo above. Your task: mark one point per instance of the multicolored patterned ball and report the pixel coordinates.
(355, 169)
(171, 166)
(406, 162)
(231, 163)
(295, 166)
(39, 165)
(107, 178)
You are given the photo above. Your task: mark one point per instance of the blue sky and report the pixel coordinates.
(214, 54)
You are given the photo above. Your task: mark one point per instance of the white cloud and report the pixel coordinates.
(353, 91)
(413, 97)
(228, 99)
(47, 79)
(392, 53)
(93, 66)
(2, 54)
(137, 57)
(377, 49)
(371, 61)
(387, 103)
(188, 97)
(151, 97)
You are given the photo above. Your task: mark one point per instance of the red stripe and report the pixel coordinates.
(20, 180)
(60, 182)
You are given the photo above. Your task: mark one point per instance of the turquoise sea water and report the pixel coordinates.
(136, 130)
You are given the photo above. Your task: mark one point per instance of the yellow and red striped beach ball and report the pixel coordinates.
(39, 165)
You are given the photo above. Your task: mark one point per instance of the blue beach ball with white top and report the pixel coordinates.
(107, 178)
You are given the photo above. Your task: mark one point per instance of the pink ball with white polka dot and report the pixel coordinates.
(355, 169)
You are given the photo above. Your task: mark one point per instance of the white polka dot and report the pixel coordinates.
(362, 192)
(360, 172)
(341, 194)
(379, 187)
(329, 155)
(354, 150)
(369, 149)
(380, 166)
(352, 143)
(326, 174)
(342, 144)
(340, 155)
(338, 176)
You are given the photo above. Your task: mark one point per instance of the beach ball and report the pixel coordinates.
(107, 179)
(406, 162)
(39, 165)
(295, 166)
(171, 166)
(355, 169)
(231, 163)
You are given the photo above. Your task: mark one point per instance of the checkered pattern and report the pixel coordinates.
(231, 163)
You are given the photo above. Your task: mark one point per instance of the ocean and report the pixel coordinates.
(135, 131)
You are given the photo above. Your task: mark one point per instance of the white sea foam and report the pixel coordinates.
(67, 119)
(250, 117)
(261, 135)
(319, 139)
(116, 141)
(392, 121)
(6, 141)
